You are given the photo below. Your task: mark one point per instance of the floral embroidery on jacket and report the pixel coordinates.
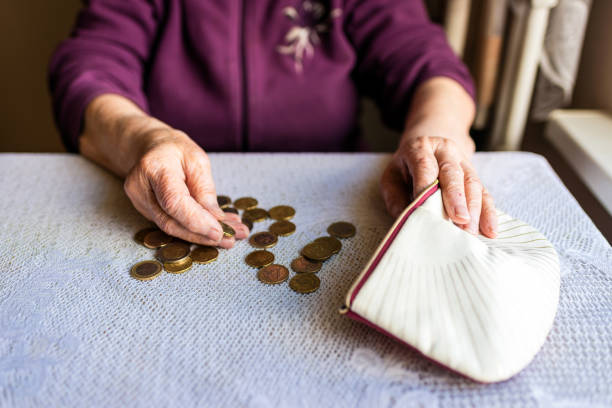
(310, 21)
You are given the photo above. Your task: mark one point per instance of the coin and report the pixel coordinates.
(173, 252)
(230, 210)
(223, 201)
(178, 267)
(259, 259)
(245, 203)
(248, 223)
(139, 236)
(303, 265)
(204, 254)
(305, 283)
(282, 228)
(146, 270)
(341, 229)
(227, 230)
(273, 274)
(263, 239)
(156, 239)
(255, 214)
(332, 243)
(316, 251)
(281, 212)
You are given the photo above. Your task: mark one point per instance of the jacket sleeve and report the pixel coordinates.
(106, 53)
(398, 48)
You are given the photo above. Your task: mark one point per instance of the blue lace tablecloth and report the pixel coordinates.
(77, 330)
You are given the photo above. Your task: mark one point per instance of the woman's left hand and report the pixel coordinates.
(419, 161)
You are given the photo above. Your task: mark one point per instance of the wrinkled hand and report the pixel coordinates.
(419, 161)
(172, 185)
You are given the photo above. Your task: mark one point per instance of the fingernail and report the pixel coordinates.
(462, 213)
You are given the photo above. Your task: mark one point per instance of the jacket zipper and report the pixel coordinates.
(245, 104)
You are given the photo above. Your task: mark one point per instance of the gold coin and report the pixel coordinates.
(248, 223)
(259, 259)
(223, 201)
(230, 210)
(245, 203)
(316, 251)
(282, 228)
(263, 239)
(173, 252)
(227, 230)
(139, 236)
(156, 239)
(273, 274)
(255, 214)
(341, 229)
(204, 254)
(332, 243)
(281, 212)
(146, 270)
(305, 283)
(303, 265)
(178, 267)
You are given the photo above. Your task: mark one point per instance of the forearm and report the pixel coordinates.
(116, 133)
(441, 107)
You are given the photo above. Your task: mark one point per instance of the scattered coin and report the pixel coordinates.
(204, 254)
(156, 239)
(303, 265)
(146, 270)
(263, 239)
(282, 228)
(255, 214)
(332, 243)
(173, 252)
(248, 223)
(341, 229)
(316, 251)
(273, 274)
(245, 203)
(281, 212)
(259, 259)
(139, 236)
(230, 210)
(227, 230)
(178, 267)
(223, 201)
(305, 283)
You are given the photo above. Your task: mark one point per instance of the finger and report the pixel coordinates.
(175, 200)
(231, 217)
(453, 190)
(199, 181)
(473, 194)
(242, 231)
(422, 165)
(395, 192)
(488, 219)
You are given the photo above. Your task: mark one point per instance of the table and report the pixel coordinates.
(77, 330)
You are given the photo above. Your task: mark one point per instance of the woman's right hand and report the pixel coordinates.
(172, 185)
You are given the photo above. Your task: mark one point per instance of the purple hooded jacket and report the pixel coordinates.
(251, 75)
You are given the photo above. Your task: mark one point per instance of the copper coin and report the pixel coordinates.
(146, 270)
(230, 210)
(227, 230)
(223, 201)
(178, 267)
(156, 239)
(173, 252)
(281, 212)
(259, 259)
(273, 274)
(204, 254)
(316, 251)
(139, 236)
(263, 239)
(332, 243)
(248, 223)
(303, 265)
(305, 283)
(282, 228)
(255, 214)
(341, 229)
(245, 203)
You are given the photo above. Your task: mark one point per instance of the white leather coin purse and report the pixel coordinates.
(478, 306)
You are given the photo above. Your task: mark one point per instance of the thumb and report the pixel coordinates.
(395, 192)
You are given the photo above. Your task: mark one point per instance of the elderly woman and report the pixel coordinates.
(146, 87)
